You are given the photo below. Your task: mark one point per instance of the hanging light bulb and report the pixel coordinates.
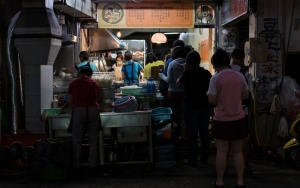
(158, 38)
(119, 34)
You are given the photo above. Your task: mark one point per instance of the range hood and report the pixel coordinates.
(102, 40)
(68, 39)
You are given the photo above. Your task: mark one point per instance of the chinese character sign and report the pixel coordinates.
(144, 15)
(267, 72)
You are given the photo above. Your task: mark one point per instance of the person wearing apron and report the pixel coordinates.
(83, 95)
(131, 70)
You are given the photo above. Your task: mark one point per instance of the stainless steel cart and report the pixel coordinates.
(130, 127)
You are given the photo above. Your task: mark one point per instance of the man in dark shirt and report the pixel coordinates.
(196, 109)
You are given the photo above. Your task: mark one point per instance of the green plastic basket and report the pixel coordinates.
(146, 97)
(131, 91)
(52, 111)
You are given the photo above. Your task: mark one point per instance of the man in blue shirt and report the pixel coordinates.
(177, 42)
(131, 70)
(84, 57)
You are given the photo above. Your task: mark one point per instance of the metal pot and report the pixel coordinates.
(112, 156)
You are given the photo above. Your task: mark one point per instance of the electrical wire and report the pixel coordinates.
(287, 47)
(255, 111)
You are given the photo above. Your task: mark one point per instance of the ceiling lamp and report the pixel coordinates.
(158, 38)
(119, 34)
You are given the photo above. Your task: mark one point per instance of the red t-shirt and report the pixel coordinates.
(85, 92)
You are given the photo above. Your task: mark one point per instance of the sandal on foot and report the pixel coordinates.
(241, 186)
(214, 184)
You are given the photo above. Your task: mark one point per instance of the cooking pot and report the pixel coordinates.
(27, 154)
(16, 150)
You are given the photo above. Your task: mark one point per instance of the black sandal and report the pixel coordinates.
(214, 184)
(241, 186)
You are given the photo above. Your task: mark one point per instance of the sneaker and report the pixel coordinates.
(248, 169)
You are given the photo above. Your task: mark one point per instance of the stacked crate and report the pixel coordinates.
(164, 150)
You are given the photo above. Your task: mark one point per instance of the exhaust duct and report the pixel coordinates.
(101, 40)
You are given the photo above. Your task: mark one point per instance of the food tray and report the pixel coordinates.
(112, 74)
(131, 90)
(166, 164)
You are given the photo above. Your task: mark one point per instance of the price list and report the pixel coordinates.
(158, 15)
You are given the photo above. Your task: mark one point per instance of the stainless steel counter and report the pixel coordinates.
(58, 125)
(132, 127)
(128, 119)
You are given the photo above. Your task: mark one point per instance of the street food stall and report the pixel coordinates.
(125, 137)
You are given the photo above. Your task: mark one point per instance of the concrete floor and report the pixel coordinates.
(268, 172)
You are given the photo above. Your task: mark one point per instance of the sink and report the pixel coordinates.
(61, 89)
(127, 119)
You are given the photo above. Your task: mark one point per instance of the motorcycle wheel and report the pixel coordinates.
(292, 156)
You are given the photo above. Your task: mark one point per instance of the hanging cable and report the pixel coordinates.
(287, 47)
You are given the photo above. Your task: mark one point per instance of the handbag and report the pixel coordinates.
(163, 88)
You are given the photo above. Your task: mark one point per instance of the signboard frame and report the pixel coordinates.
(233, 11)
(147, 15)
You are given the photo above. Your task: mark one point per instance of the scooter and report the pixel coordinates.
(292, 147)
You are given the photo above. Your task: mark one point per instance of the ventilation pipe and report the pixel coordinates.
(12, 82)
(37, 38)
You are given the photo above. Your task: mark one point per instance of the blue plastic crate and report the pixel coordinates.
(161, 113)
(162, 157)
(158, 134)
(161, 110)
(164, 149)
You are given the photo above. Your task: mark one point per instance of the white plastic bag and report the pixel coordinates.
(288, 98)
(283, 130)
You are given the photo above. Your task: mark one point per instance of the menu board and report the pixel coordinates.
(203, 49)
(145, 15)
(232, 10)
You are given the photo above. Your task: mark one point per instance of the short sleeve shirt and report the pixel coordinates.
(196, 82)
(85, 92)
(92, 65)
(147, 72)
(228, 86)
(129, 76)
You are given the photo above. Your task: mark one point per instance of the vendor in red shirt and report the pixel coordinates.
(83, 95)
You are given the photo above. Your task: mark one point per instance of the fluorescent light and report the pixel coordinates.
(172, 33)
